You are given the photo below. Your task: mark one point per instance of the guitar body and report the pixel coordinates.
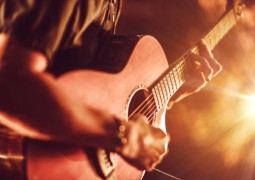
(116, 93)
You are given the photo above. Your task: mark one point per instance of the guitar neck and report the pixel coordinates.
(174, 77)
(221, 29)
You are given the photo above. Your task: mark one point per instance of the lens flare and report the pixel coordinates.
(249, 108)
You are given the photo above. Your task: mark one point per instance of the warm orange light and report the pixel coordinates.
(249, 108)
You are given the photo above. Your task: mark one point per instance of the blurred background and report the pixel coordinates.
(213, 131)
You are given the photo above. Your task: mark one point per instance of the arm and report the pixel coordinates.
(39, 109)
(33, 105)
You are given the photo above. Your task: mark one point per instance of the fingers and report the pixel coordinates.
(161, 143)
(159, 156)
(207, 54)
(139, 118)
(160, 150)
(152, 162)
(201, 64)
(205, 66)
(146, 146)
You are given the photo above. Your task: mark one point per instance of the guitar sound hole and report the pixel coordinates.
(142, 102)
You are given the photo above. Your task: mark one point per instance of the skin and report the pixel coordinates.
(205, 67)
(33, 105)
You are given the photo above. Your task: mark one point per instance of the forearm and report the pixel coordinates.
(39, 109)
(34, 105)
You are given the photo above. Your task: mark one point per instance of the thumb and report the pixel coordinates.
(139, 118)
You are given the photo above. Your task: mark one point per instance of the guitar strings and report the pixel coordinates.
(149, 104)
(153, 113)
(152, 107)
(167, 174)
(150, 115)
(145, 102)
(167, 94)
(184, 61)
(220, 29)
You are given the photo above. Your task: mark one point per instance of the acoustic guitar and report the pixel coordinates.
(143, 83)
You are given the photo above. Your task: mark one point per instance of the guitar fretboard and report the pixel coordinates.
(221, 29)
(174, 78)
(169, 84)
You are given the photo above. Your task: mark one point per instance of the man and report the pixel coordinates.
(33, 34)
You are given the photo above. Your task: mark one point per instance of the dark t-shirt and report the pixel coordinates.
(56, 26)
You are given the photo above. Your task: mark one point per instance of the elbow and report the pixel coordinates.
(19, 59)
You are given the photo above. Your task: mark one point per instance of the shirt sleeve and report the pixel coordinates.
(43, 25)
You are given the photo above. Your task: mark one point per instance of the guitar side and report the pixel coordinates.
(108, 92)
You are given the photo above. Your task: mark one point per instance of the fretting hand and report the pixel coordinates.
(203, 68)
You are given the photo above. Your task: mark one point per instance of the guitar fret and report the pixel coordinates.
(156, 98)
(175, 83)
(175, 80)
(177, 77)
(161, 95)
(167, 88)
(170, 84)
(218, 32)
(163, 90)
(182, 70)
(179, 74)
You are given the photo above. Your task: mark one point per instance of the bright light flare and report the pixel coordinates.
(249, 107)
(241, 118)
